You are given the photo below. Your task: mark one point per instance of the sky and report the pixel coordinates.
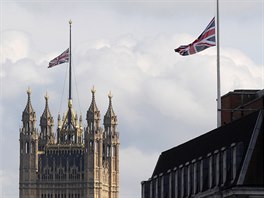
(127, 47)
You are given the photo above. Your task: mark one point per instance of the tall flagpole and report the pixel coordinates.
(218, 67)
(70, 22)
(70, 97)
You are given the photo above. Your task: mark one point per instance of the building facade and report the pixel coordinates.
(75, 162)
(227, 162)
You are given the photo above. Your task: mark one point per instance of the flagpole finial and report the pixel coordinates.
(110, 95)
(93, 90)
(29, 91)
(70, 21)
(46, 96)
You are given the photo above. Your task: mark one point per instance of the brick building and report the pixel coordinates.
(239, 103)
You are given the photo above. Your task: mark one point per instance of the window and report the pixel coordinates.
(27, 147)
(27, 126)
(108, 151)
(113, 151)
(32, 148)
(91, 145)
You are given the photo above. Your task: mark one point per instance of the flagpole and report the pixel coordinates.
(70, 97)
(70, 22)
(218, 67)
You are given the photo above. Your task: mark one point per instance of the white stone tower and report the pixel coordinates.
(102, 147)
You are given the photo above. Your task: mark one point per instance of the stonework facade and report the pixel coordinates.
(77, 162)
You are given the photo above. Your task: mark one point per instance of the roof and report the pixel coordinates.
(244, 92)
(238, 131)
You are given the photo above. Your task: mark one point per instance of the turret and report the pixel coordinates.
(46, 126)
(110, 119)
(93, 132)
(28, 149)
(29, 115)
(93, 115)
(111, 148)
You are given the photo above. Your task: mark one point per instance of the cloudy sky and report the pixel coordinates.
(161, 99)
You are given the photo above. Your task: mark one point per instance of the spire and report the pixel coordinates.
(46, 125)
(110, 119)
(93, 108)
(68, 127)
(29, 115)
(29, 109)
(110, 112)
(46, 118)
(93, 114)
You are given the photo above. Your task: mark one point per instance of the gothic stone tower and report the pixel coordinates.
(78, 163)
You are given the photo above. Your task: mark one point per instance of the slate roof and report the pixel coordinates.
(238, 131)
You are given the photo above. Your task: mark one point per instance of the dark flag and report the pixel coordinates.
(205, 40)
(63, 58)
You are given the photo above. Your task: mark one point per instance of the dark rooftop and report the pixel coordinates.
(234, 132)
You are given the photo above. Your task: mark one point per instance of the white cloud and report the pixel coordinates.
(20, 75)
(15, 45)
(135, 166)
(239, 71)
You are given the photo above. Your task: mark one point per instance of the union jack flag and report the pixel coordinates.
(205, 40)
(63, 58)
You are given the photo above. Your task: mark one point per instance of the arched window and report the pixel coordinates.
(73, 138)
(91, 144)
(32, 148)
(91, 126)
(108, 151)
(27, 126)
(113, 151)
(27, 147)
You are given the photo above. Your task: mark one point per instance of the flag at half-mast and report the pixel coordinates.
(205, 40)
(63, 58)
